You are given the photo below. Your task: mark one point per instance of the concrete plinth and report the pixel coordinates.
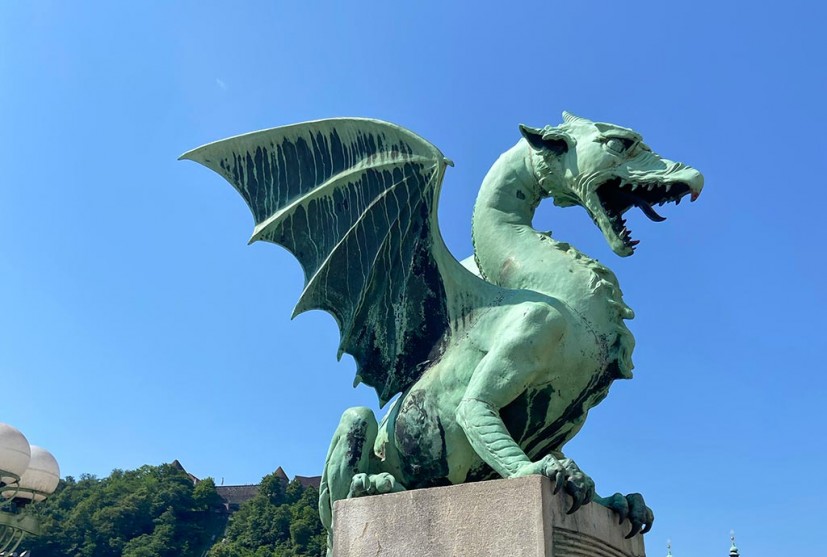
(500, 518)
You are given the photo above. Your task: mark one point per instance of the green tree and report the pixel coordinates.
(281, 521)
(204, 496)
(157, 511)
(272, 487)
(154, 510)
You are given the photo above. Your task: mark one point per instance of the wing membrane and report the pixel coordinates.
(354, 200)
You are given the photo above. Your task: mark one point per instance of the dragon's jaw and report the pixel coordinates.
(607, 169)
(614, 194)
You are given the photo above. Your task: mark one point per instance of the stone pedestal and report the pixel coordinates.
(499, 518)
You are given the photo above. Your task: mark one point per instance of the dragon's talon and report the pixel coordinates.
(373, 484)
(576, 504)
(567, 476)
(579, 498)
(358, 486)
(630, 507)
(559, 482)
(639, 514)
(635, 529)
(650, 518)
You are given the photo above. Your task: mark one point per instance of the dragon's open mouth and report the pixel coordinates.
(617, 197)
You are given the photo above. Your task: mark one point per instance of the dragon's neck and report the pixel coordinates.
(510, 253)
(503, 213)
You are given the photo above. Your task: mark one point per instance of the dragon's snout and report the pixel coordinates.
(695, 181)
(687, 178)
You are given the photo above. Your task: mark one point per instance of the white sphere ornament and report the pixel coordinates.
(40, 479)
(15, 454)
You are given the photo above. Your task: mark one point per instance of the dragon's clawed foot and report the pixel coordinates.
(567, 476)
(373, 484)
(632, 507)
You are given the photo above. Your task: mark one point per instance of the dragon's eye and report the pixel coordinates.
(617, 145)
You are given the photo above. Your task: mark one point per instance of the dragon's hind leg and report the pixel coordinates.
(350, 467)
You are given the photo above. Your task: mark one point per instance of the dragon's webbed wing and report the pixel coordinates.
(355, 201)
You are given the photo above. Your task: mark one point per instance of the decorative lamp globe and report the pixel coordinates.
(15, 454)
(40, 479)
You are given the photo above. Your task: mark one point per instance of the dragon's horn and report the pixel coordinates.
(570, 118)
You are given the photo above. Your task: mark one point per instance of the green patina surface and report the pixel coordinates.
(497, 359)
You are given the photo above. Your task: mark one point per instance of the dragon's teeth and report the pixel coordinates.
(668, 187)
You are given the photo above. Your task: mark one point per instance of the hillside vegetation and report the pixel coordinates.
(157, 511)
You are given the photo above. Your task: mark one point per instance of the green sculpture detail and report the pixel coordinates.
(498, 359)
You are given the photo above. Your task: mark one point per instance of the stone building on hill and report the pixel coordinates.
(234, 495)
(305, 481)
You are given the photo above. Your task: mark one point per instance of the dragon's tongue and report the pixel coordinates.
(647, 210)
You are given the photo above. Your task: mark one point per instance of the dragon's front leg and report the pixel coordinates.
(493, 443)
(518, 356)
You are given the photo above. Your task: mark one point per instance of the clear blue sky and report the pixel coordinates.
(136, 325)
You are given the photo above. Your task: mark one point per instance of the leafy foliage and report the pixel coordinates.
(156, 511)
(278, 522)
(152, 511)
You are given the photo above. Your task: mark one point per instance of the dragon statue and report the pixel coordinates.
(496, 360)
